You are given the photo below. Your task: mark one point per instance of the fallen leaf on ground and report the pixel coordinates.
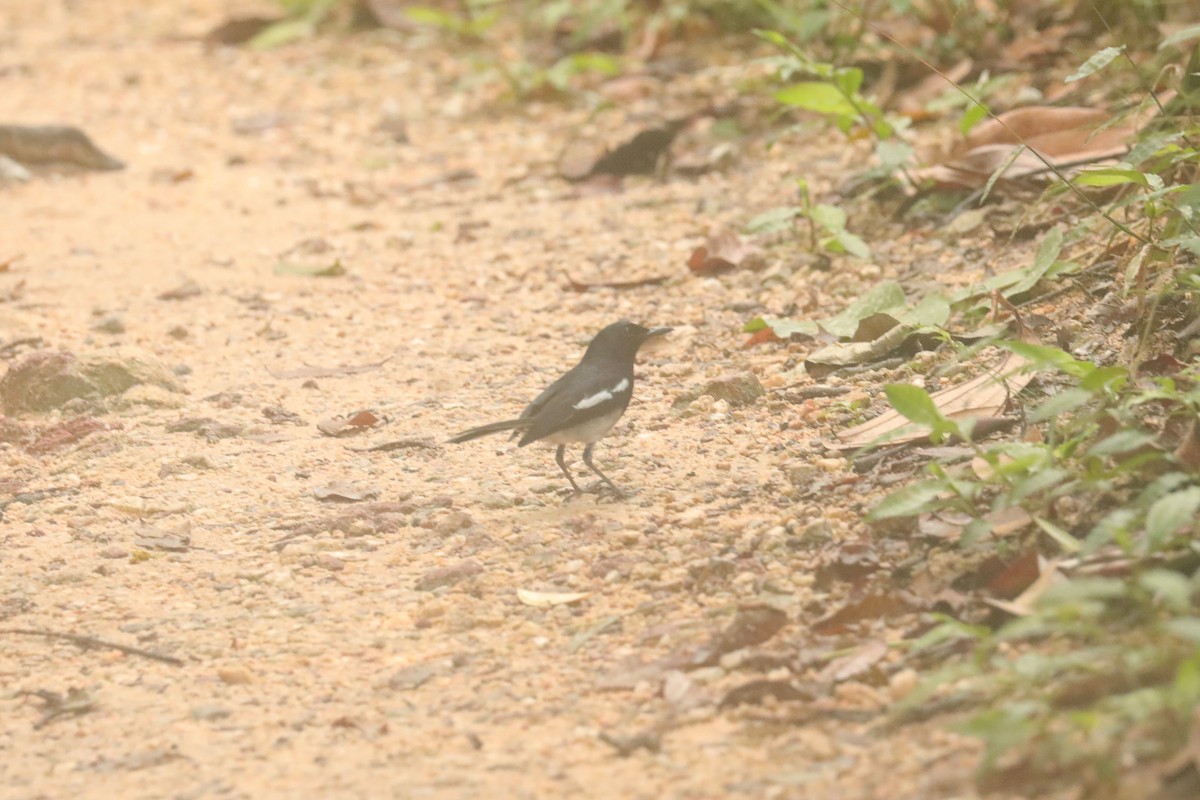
(984, 396)
(753, 624)
(1066, 137)
(866, 607)
(549, 599)
(582, 286)
(1023, 605)
(723, 251)
(865, 657)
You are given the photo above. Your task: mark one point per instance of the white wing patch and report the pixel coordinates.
(594, 400)
(602, 396)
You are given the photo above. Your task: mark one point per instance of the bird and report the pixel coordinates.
(583, 405)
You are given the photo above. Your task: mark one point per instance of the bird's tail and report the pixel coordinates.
(488, 430)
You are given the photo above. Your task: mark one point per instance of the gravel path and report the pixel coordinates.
(380, 648)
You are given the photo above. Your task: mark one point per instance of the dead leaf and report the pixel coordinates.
(723, 251)
(1023, 605)
(866, 656)
(752, 625)
(869, 606)
(984, 396)
(582, 286)
(1065, 137)
(550, 599)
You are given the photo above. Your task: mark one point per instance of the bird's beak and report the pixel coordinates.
(650, 334)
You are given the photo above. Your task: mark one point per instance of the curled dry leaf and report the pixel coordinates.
(549, 599)
(1065, 137)
(723, 251)
(984, 397)
(1023, 605)
(855, 664)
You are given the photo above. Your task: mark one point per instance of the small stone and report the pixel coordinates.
(110, 324)
(209, 713)
(178, 332)
(738, 390)
(901, 684)
(114, 552)
(234, 677)
(329, 562)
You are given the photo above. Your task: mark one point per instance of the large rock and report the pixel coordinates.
(46, 380)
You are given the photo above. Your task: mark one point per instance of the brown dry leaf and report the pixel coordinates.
(582, 286)
(753, 624)
(1066, 137)
(723, 251)
(980, 398)
(1023, 605)
(850, 666)
(869, 606)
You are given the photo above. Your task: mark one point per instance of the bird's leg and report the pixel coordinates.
(558, 456)
(587, 459)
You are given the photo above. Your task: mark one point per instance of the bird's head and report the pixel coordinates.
(622, 339)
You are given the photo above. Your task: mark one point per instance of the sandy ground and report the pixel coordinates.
(324, 654)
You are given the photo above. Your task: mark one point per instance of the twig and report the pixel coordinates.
(91, 641)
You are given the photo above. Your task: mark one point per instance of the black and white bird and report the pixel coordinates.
(584, 404)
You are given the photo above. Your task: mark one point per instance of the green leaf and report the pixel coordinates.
(1120, 442)
(909, 501)
(1183, 35)
(1172, 512)
(1059, 404)
(893, 153)
(915, 404)
(832, 218)
(783, 328)
(1169, 586)
(281, 33)
(1048, 250)
(1097, 62)
(882, 298)
(818, 96)
(852, 244)
(1066, 541)
(774, 220)
(1184, 627)
(975, 114)
(1110, 176)
(934, 309)
(1044, 357)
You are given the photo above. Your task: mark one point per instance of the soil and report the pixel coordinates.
(380, 648)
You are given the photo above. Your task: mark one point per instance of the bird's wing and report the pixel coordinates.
(554, 410)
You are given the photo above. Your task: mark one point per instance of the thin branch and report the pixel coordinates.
(91, 641)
